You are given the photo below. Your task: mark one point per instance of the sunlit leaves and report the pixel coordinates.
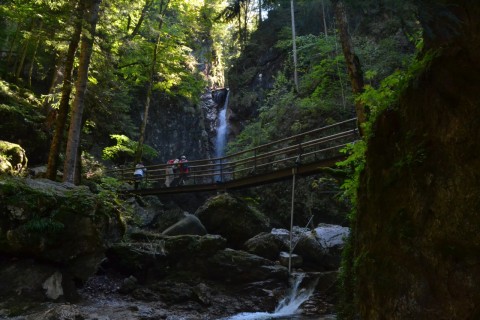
(125, 147)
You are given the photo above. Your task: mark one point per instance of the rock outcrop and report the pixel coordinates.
(417, 234)
(61, 229)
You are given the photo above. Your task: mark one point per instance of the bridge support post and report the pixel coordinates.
(294, 173)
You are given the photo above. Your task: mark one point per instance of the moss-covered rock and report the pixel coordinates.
(22, 122)
(232, 218)
(63, 226)
(13, 159)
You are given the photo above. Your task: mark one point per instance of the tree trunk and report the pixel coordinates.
(148, 4)
(88, 35)
(19, 63)
(324, 19)
(294, 43)
(141, 139)
(259, 12)
(32, 63)
(353, 63)
(10, 51)
(63, 109)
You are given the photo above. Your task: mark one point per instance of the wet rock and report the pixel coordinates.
(296, 260)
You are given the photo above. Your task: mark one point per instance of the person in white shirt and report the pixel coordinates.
(139, 173)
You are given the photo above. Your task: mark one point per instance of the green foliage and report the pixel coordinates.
(108, 195)
(354, 164)
(346, 280)
(124, 148)
(43, 225)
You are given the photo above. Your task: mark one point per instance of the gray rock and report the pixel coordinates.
(53, 286)
(190, 225)
(267, 245)
(296, 260)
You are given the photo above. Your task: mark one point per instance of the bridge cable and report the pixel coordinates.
(294, 174)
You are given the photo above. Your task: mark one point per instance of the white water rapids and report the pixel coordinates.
(288, 307)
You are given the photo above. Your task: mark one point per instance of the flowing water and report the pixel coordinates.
(289, 306)
(222, 132)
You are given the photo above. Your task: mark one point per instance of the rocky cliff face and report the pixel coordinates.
(417, 235)
(178, 128)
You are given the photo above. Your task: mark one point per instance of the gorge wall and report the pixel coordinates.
(417, 233)
(178, 128)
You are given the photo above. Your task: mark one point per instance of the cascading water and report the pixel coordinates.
(288, 307)
(222, 132)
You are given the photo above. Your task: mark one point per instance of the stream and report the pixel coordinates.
(289, 306)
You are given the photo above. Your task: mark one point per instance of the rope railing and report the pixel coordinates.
(308, 147)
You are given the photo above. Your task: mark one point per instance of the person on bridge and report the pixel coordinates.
(139, 173)
(170, 171)
(183, 170)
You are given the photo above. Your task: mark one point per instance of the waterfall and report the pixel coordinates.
(221, 141)
(287, 308)
(222, 130)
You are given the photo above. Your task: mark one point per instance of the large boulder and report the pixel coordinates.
(22, 123)
(190, 224)
(266, 244)
(63, 227)
(238, 266)
(13, 159)
(145, 211)
(151, 256)
(319, 249)
(232, 218)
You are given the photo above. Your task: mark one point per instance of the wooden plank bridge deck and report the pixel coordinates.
(303, 154)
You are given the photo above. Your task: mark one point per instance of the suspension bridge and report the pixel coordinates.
(302, 154)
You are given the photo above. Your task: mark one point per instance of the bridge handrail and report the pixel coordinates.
(253, 159)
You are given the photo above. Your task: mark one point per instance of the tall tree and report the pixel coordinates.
(294, 43)
(141, 139)
(351, 59)
(239, 10)
(90, 17)
(324, 19)
(63, 109)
